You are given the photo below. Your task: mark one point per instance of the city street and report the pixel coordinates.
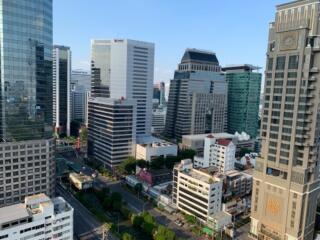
(85, 224)
(138, 205)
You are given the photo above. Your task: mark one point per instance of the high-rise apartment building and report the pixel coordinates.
(125, 67)
(111, 130)
(243, 98)
(61, 89)
(218, 152)
(286, 177)
(26, 144)
(197, 97)
(197, 192)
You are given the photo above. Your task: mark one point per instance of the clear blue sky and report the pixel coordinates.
(236, 30)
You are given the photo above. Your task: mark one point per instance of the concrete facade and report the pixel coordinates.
(26, 168)
(196, 192)
(154, 149)
(219, 153)
(286, 177)
(197, 97)
(111, 130)
(38, 218)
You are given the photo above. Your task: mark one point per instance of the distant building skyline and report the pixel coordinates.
(160, 19)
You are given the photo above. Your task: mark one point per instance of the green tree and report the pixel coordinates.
(127, 236)
(190, 219)
(171, 161)
(83, 134)
(142, 163)
(125, 212)
(127, 167)
(116, 197)
(157, 163)
(136, 220)
(116, 206)
(187, 153)
(149, 223)
(163, 233)
(107, 203)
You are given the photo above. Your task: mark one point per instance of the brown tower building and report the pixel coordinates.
(286, 177)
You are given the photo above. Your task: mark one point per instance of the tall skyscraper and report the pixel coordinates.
(61, 89)
(26, 147)
(125, 67)
(243, 98)
(197, 97)
(286, 177)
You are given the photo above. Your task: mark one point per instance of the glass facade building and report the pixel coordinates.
(244, 88)
(27, 146)
(26, 70)
(61, 89)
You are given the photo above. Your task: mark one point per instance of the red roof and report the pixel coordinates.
(210, 136)
(224, 142)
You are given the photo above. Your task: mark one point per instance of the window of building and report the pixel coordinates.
(281, 61)
(293, 62)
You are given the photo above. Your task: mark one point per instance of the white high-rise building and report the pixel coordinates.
(39, 217)
(219, 153)
(61, 89)
(123, 68)
(197, 192)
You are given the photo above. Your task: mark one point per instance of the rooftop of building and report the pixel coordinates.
(203, 136)
(207, 175)
(157, 172)
(234, 174)
(295, 4)
(33, 205)
(13, 212)
(61, 47)
(240, 67)
(80, 177)
(157, 143)
(221, 215)
(224, 142)
(121, 40)
(201, 56)
(112, 101)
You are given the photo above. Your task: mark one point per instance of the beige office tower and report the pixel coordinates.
(286, 176)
